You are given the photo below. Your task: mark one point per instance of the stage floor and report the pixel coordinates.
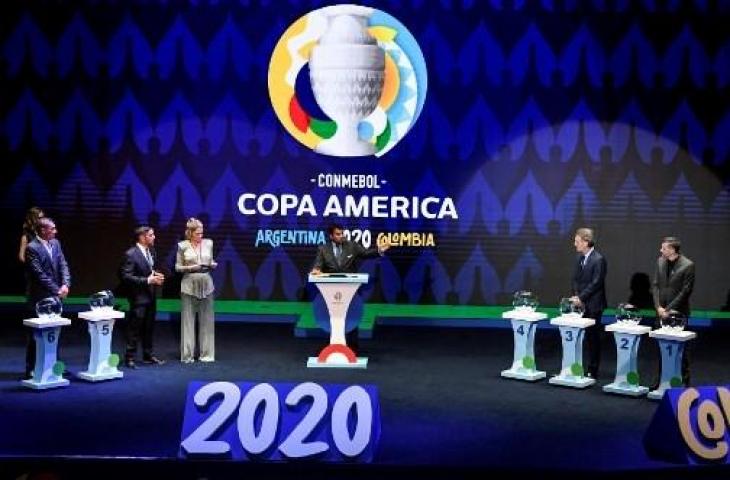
(443, 402)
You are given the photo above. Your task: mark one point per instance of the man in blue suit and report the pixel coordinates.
(589, 290)
(140, 280)
(47, 275)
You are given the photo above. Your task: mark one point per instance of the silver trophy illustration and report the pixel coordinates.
(347, 70)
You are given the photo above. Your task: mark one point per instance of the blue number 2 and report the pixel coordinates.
(624, 344)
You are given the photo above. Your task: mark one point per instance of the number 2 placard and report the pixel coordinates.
(280, 421)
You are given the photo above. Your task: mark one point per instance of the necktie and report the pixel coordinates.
(337, 253)
(148, 256)
(582, 261)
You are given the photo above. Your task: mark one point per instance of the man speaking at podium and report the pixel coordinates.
(340, 255)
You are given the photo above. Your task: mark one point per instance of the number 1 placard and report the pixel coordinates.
(281, 421)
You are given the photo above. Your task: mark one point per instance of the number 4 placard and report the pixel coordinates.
(280, 421)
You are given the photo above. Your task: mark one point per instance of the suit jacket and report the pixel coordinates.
(46, 274)
(133, 274)
(589, 282)
(351, 253)
(673, 293)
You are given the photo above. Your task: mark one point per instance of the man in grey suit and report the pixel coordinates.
(340, 255)
(47, 275)
(674, 279)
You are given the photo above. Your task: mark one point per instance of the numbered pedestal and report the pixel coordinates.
(627, 339)
(337, 291)
(524, 325)
(102, 363)
(48, 371)
(671, 344)
(572, 331)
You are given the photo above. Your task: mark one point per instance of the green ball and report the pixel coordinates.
(58, 368)
(113, 360)
(576, 369)
(632, 378)
(528, 362)
(675, 382)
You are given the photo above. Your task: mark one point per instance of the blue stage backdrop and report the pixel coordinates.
(540, 117)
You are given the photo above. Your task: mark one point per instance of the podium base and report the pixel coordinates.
(524, 374)
(626, 389)
(360, 363)
(98, 377)
(571, 381)
(44, 385)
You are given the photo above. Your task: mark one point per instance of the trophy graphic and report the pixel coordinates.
(347, 70)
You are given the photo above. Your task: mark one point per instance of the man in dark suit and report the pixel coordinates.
(140, 281)
(589, 290)
(47, 275)
(343, 256)
(674, 279)
(340, 255)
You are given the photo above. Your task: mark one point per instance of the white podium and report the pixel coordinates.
(572, 331)
(524, 324)
(48, 371)
(337, 291)
(102, 364)
(628, 337)
(671, 344)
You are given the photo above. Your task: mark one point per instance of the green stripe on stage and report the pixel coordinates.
(303, 310)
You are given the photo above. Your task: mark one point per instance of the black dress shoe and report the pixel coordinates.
(129, 363)
(153, 361)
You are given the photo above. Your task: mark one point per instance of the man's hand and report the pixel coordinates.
(63, 291)
(662, 312)
(156, 278)
(316, 271)
(383, 246)
(213, 264)
(576, 300)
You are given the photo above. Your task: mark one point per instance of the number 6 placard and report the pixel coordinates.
(281, 421)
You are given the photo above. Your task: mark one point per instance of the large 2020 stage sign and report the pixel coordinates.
(476, 136)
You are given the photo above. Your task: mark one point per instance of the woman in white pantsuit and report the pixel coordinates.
(195, 261)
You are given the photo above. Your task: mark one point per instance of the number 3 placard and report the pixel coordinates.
(280, 421)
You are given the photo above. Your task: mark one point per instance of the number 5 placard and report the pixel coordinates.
(280, 421)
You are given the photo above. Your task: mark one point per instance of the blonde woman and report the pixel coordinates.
(195, 261)
(30, 226)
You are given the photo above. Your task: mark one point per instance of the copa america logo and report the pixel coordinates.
(347, 81)
(338, 296)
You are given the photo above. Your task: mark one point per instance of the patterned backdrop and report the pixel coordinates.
(541, 116)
